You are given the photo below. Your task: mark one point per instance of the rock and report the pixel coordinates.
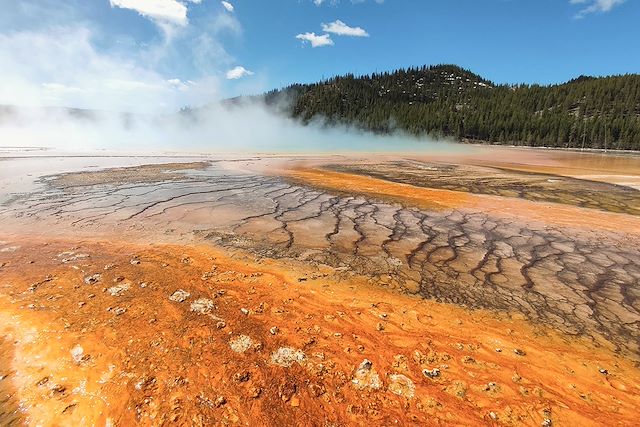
(255, 392)
(179, 296)
(402, 386)
(146, 383)
(241, 377)
(244, 311)
(491, 387)
(468, 359)
(400, 363)
(287, 356)
(366, 364)
(220, 400)
(143, 285)
(316, 390)
(604, 371)
(120, 311)
(134, 261)
(208, 275)
(433, 373)
(365, 377)
(221, 324)
(42, 381)
(241, 343)
(380, 327)
(202, 306)
(76, 353)
(274, 330)
(286, 390)
(547, 422)
(119, 289)
(118, 279)
(498, 350)
(81, 304)
(73, 257)
(93, 279)
(493, 415)
(519, 352)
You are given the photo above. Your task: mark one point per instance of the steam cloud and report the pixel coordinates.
(247, 128)
(50, 56)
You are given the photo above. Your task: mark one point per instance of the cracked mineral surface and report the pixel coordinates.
(518, 285)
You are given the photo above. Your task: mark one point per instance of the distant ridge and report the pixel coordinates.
(450, 101)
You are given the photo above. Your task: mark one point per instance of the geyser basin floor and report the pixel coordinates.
(110, 333)
(317, 247)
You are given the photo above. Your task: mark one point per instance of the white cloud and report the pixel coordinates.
(227, 6)
(170, 11)
(340, 28)
(63, 67)
(316, 40)
(238, 73)
(594, 6)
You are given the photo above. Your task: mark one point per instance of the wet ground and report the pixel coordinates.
(537, 187)
(543, 253)
(110, 333)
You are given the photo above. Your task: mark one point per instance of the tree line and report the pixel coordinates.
(449, 101)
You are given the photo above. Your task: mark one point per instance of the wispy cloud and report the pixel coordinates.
(316, 40)
(595, 6)
(65, 68)
(62, 60)
(340, 28)
(171, 11)
(238, 73)
(228, 6)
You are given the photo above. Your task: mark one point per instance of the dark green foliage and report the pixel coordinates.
(446, 100)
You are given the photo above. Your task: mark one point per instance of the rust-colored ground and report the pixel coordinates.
(432, 198)
(115, 349)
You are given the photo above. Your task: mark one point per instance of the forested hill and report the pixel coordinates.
(446, 100)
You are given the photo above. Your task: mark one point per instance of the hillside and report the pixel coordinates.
(446, 100)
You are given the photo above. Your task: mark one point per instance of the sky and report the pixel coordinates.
(161, 55)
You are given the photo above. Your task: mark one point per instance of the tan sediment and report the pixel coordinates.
(556, 214)
(126, 175)
(160, 362)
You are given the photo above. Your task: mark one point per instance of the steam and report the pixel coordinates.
(246, 128)
(52, 56)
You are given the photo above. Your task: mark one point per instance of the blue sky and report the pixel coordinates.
(139, 54)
